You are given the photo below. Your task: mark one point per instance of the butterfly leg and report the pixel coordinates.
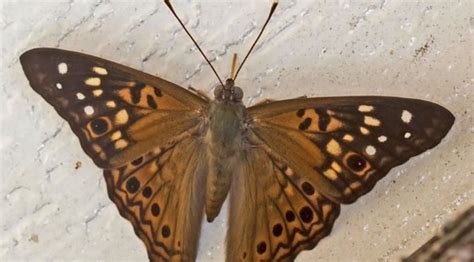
(199, 93)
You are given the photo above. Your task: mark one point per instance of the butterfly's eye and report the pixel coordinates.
(219, 93)
(237, 94)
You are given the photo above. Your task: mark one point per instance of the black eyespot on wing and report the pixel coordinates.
(261, 247)
(306, 214)
(356, 162)
(307, 188)
(99, 126)
(277, 230)
(165, 231)
(290, 216)
(155, 210)
(147, 192)
(133, 185)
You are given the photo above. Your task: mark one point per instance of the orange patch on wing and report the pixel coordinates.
(292, 120)
(124, 93)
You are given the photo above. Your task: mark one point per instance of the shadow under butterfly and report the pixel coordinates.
(171, 155)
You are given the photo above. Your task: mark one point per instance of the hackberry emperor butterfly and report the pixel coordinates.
(169, 154)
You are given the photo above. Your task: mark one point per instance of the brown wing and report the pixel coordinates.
(161, 194)
(274, 212)
(117, 112)
(344, 145)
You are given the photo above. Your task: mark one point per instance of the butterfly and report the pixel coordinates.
(172, 156)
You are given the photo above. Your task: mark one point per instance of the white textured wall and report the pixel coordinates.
(420, 49)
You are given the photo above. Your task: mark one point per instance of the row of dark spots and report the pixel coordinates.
(323, 122)
(133, 185)
(136, 91)
(136, 94)
(306, 122)
(306, 215)
(323, 119)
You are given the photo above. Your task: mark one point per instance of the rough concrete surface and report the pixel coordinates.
(51, 210)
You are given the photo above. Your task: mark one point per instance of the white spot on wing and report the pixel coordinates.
(371, 121)
(97, 92)
(333, 147)
(382, 138)
(62, 68)
(365, 108)
(121, 144)
(80, 96)
(370, 150)
(407, 135)
(364, 130)
(92, 81)
(99, 70)
(89, 110)
(59, 86)
(116, 135)
(121, 117)
(406, 116)
(110, 104)
(348, 138)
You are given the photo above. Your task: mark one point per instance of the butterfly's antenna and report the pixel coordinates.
(167, 2)
(232, 66)
(272, 9)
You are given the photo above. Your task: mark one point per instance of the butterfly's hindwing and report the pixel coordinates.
(274, 212)
(113, 109)
(349, 143)
(161, 194)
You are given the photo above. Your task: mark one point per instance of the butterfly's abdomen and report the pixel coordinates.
(224, 149)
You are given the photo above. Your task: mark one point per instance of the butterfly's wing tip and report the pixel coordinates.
(447, 119)
(30, 55)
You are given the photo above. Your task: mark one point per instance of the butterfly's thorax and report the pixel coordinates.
(226, 124)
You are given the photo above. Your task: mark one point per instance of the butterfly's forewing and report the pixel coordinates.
(343, 145)
(271, 218)
(117, 112)
(162, 194)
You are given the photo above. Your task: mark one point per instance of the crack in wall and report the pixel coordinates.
(83, 20)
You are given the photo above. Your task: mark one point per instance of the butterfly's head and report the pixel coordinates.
(228, 92)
